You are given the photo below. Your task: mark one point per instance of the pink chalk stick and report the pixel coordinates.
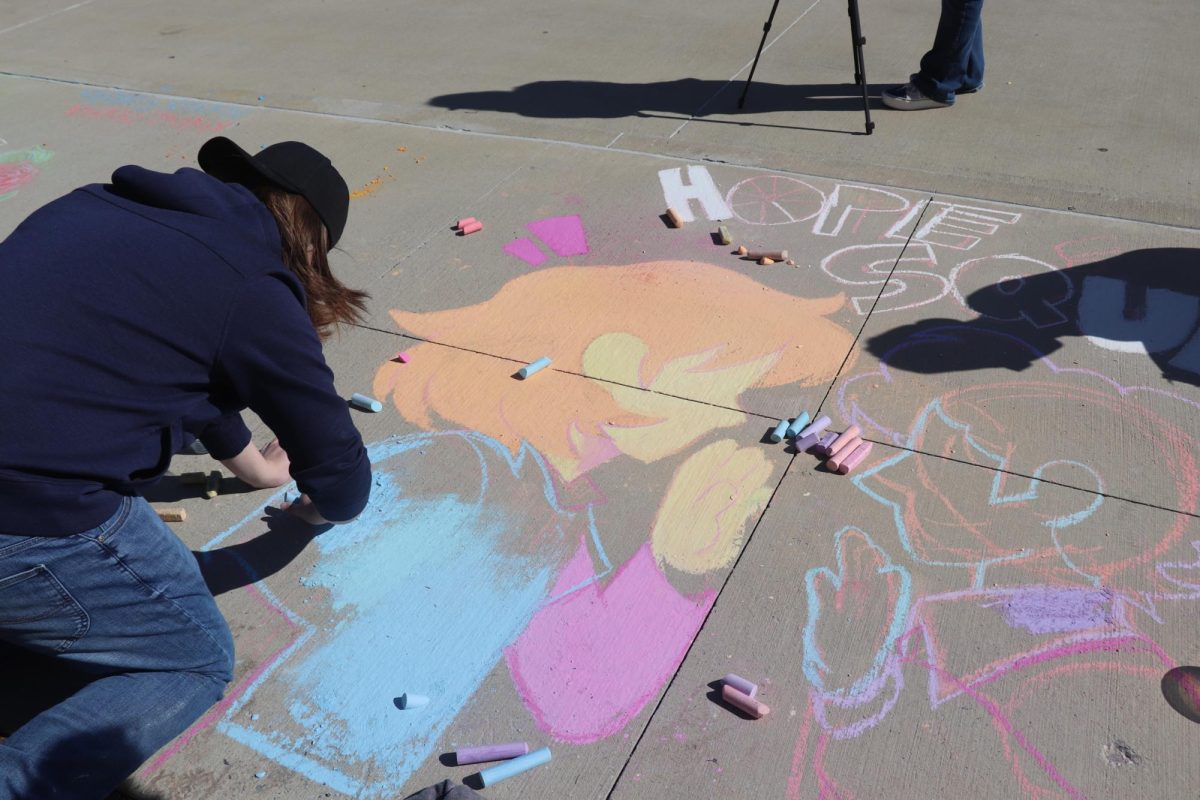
(843, 440)
(744, 702)
(464, 222)
(837, 458)
(402, 357)
(472, 227)
(854, 459)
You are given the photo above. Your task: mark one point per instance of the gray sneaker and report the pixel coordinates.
(909, 98)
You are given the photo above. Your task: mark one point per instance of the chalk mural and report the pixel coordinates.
(134, 108)
(19, 168)
(495, 544)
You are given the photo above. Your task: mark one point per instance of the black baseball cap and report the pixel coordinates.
(292, 166)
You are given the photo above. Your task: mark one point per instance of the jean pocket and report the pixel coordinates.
(37, 612)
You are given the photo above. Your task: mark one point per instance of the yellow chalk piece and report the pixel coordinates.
(764, 261)
(171, 514)
(723, 233)
(212, 484)
(192, 478)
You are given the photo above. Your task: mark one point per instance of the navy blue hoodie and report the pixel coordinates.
(143, 310)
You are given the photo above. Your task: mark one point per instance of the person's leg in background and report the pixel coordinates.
(953, 66)
(124, 608)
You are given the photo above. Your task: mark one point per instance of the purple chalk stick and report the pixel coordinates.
(826, 440)
(803, 443)
(741, 684)
(820, 424)
(490, 752)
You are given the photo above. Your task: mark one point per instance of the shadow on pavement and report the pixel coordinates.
(249, 562)
(1181, 688)
(1145, 303)
(686, 97)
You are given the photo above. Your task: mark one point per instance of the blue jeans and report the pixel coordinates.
(955, 63)
(111, 645)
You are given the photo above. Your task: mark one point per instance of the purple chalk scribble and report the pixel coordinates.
(525, 250)
(1043, 610)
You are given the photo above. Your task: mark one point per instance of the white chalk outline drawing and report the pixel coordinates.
(771, 199)
(1054, 317)
(973, 223)
(897, 285)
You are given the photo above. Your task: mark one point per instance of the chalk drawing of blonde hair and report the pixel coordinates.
(680, 329)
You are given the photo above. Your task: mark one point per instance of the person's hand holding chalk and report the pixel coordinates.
(305, 510)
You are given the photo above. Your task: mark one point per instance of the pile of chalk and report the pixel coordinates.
(742, 695)
(843, 452)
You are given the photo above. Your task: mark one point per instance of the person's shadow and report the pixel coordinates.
(681, 99)
(1144, 303)
(242, 564)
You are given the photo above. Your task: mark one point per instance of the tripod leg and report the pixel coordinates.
(754, 66)
(860, 69)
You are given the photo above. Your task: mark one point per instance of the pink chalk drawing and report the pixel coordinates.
(565, 236)
(19, 168)
(590, 661)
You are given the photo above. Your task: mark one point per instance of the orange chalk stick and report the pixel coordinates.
(171, 514)
(464, 222)
(854, 459)
(774, 255)
(676, 219)
(842, 440)
(744, 702)
(766, 262)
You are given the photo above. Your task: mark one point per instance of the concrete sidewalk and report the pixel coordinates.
(1000, 601)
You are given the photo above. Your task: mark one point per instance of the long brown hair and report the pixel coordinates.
(305, 252)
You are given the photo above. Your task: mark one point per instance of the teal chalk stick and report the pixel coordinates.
(518, 765)
(798, 423)
(780, 429)
(365, 403)
(529, 369)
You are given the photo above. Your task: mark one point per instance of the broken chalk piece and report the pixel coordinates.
(212, 484)
(260, 775)
(765, 262)
(780, 429)
(854, 459)
(723, 235)
(471, 227)
(402, 357)
(408, 701)
(493, 775)
(798, 423)
(826, 440)
(464, 222)
(741, 251)
(843, 440)
(527, 370)
(490, 752)
(835, 460)
(774, 255)
(361, 401)
(803, 443)
(171, 514)
(676, 219)
(820, 424)
(744, 702)
(192, 478)
(741, 684)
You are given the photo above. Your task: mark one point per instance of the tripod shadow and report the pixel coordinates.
(684, 98)
(249, 562)
(1142, 303)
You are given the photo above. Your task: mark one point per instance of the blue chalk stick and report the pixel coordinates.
(408, 700)
(821, 424)
(780, 429)
(365, 403)
(798, 423)
(518, 765)
(529, 369)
